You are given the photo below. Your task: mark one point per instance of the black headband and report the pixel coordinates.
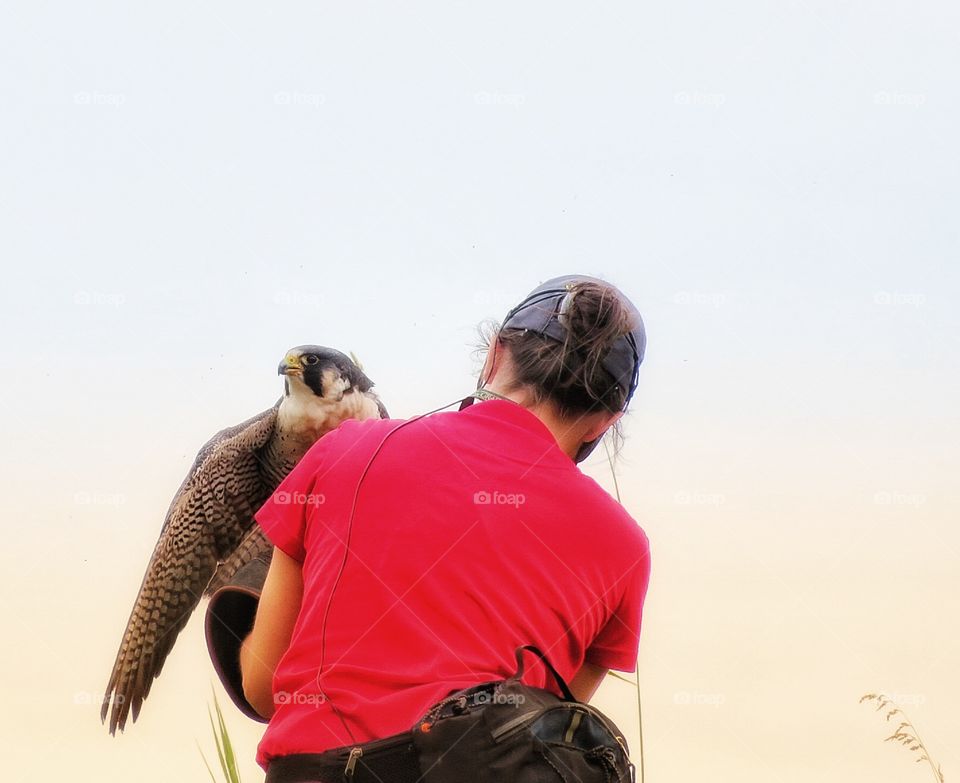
(543, 311)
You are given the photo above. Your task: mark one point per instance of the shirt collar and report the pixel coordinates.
(514, 413)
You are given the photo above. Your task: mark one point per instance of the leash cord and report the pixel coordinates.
(616, 488)
(346, 552)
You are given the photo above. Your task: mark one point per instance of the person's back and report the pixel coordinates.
(473, 533)
(413, 558)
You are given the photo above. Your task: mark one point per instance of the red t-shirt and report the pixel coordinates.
(473, 533)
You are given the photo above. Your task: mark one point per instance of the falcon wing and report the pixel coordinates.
(380, 406)
(254, 544)
(209, 515)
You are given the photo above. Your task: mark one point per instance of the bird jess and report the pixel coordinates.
(209, 532)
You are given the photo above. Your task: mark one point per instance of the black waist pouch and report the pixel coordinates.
(508, 732)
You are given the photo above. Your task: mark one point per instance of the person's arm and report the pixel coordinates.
(268, 641)
(586, 681)
(616, 645)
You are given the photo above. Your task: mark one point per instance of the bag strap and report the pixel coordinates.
(564, 688)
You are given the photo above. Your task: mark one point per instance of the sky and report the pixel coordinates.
(188, 191)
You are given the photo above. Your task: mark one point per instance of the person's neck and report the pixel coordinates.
(563, 433)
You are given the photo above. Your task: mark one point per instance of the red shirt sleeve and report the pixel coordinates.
(283, 518)
(616, 646)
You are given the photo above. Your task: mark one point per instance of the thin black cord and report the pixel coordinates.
(346, 552)
(616, 487)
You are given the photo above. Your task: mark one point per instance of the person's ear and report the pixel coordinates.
(603, 424)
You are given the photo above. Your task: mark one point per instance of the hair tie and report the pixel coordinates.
(565, 304)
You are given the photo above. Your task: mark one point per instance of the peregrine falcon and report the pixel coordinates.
(209, 531)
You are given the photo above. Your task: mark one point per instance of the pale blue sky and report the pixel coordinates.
(187, 191)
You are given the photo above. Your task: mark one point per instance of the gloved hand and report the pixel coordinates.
(230, 615)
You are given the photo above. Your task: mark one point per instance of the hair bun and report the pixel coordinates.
(569, 369)
(594, 317)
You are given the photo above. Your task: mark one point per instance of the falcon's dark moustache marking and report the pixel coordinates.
(313, 377)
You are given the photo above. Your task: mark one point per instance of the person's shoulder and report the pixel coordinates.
(348, 435)
(608, 512)
(359, 427)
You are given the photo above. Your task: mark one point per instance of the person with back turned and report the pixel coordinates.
(412, 557)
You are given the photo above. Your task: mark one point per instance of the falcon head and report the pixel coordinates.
(324, 372)
(322, 388)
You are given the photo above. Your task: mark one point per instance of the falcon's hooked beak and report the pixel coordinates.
(291, 365)
(308, 370)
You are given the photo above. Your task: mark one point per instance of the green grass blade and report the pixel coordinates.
(230, 759)
(225, 752)
(216, 739)
(206, 764)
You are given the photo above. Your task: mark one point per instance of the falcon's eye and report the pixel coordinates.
(310, 359)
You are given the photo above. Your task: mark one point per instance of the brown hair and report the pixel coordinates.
(570, 374)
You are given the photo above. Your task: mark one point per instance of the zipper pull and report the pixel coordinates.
(351, 767)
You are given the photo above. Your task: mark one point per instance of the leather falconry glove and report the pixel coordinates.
(230, 615)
